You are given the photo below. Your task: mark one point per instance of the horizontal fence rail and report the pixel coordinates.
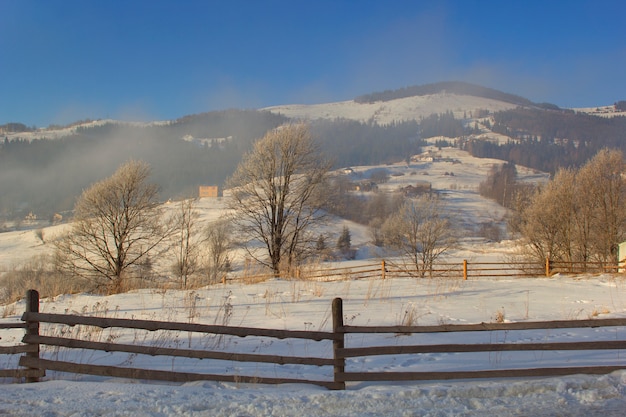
(105, 322)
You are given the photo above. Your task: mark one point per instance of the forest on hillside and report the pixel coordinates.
(550, 139)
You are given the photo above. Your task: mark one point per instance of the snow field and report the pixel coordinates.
(301, 305)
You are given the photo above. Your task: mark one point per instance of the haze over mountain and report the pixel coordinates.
(44, 170)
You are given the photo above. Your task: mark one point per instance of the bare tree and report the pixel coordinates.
(578, 216)
(421, 232)
(219, 243)
(276, 195)
(186, 242)
(117, 225)
(546, 221)
(602, 182)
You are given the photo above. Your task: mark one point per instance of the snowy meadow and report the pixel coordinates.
(301, 305)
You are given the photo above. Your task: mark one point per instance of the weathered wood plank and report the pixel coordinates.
(498, 373)
(103, 322)
(496, 347)
(530, 325)
(32, 327)
(337, 314)
(176, 352)
(12, 350)
(154, 375)
(12, 325)
(22, 373)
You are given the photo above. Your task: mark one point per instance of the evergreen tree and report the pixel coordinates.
(344, 241)
(320, 245)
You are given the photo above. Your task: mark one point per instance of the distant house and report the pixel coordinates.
(208, 191)
(427, 156)
(420, 188)
(366, 186)
(30, 218)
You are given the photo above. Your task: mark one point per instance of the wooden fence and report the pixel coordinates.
(17, 373)
(340, 337)
(31, 350)
(460, 270)
(342, 353)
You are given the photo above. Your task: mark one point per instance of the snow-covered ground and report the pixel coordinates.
(300, 305)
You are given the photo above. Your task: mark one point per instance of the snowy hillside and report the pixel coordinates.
(601, 111)
(385, 112)
(453, 172)
(57, 133)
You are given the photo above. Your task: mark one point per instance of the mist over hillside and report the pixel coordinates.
(43, 171)
(45, 176)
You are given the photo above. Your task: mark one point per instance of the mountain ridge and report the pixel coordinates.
(388, 106)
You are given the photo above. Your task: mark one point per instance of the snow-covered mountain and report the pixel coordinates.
(398, 110)
(381, 112)
(462, 103)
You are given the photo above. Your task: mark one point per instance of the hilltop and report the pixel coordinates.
(397, 110)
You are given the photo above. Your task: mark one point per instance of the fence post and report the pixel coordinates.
(383, 269)
(547, 267)
(338, 343)
(465, 269)
(32, 327)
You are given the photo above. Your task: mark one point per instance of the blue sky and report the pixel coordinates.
(65, 60)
